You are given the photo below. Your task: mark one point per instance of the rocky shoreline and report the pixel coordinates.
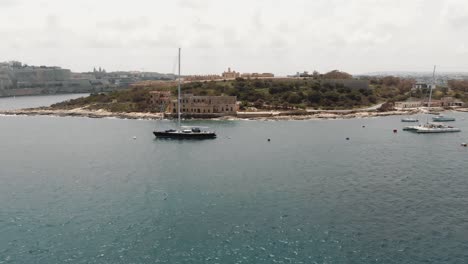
(310, 115)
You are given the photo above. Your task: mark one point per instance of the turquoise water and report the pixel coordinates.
(77, 190)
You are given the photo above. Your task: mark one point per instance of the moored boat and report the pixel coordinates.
(442, 118)
(409, 120)
(410, 128)
(433, 127)
(192, 133)
(436, 128)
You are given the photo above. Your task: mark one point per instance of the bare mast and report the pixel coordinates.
(430, 92)
(178, 95)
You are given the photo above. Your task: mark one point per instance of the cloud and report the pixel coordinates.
(120, 24)
(456, 15)
(194, 4)
(9, 3)
(345, 34)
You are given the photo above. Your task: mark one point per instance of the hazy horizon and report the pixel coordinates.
(282, 37)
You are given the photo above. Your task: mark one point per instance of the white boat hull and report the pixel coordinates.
(437, 130)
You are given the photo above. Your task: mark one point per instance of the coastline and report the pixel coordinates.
(310, 115)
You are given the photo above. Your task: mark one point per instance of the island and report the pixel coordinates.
(334, 94)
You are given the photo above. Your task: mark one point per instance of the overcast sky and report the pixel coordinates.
(279, 36)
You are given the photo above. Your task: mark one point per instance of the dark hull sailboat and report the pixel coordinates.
(193, 133)
(185, 134)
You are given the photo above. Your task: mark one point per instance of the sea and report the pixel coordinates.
(83, 190)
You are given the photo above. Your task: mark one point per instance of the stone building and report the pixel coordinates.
(160, 99)
(205, 105)
(451, 102)
(444, 102)
(230, 74)
(408, 104)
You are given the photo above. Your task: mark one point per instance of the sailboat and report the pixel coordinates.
(187, 132)
(432, 127)
(442, 118)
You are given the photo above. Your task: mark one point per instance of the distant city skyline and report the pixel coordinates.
(282, 37)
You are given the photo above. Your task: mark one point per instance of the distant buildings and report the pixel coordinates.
(19, 79)
(209, 77)
(301, 75)
(205, 105)
(194, 105)
(408, 104)
(230, 74)
(257, 75)
(443, 102)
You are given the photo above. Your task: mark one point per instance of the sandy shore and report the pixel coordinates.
(340, 114)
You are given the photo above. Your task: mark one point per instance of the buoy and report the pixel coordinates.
(395, 131)
(363, 126)
(269, 140)
(347, 138)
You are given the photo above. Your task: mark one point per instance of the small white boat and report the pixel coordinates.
(436, 128)
(442, 118)
(409, 119)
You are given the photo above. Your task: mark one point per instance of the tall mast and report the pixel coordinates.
(178, 95)
(430, 91)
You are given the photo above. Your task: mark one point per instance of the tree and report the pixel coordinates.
(294, 98)
(336, 74)
(387, 106)
(314, 97)
(259, 103)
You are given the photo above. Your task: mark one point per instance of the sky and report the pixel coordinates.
(279, 36)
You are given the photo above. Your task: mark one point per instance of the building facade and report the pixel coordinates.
(408, 104)
(443, 102)
(160, 99)
(205, 105)
(230, 74)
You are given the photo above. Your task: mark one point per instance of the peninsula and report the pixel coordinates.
(331, 95)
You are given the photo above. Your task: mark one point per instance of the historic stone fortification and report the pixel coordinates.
(192, 105)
